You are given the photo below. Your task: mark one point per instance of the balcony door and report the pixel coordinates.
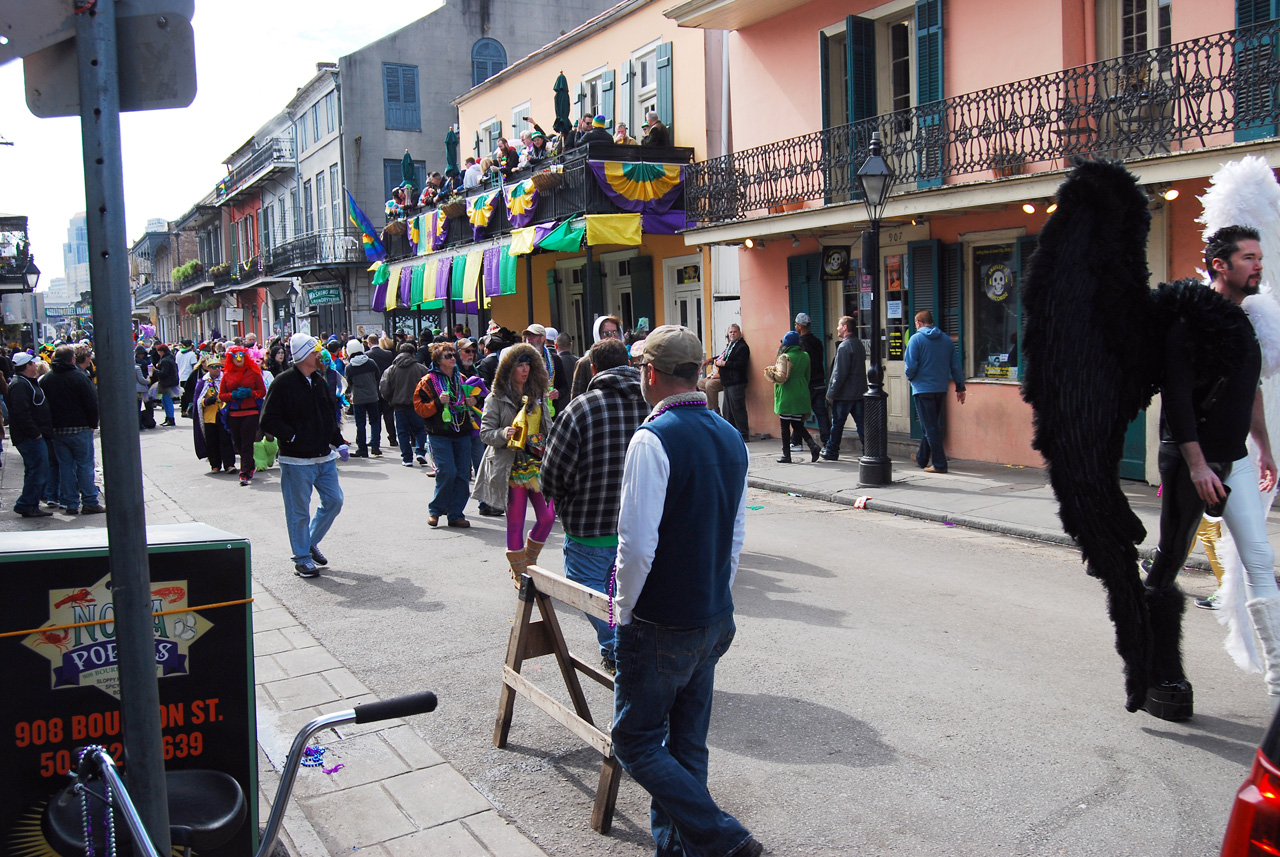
(682, 287)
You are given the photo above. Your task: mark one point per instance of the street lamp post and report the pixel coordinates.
(32, 276)
(875, 179)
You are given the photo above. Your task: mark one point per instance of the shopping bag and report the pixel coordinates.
(264, 453)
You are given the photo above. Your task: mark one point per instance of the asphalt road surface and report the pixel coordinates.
(896, 687)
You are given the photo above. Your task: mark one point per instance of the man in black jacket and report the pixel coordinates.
(29, 425)
(732, 364)
(73, 409)
(380, 352)
(363, 375)
(848, 385)
(165, 377)
(302, 414)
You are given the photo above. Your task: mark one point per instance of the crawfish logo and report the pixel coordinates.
(79, 638)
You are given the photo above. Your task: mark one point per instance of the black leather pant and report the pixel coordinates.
(1181, 509)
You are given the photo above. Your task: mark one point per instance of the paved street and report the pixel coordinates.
(897, 687)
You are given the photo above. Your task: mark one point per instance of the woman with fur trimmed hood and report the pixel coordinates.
(510, 472)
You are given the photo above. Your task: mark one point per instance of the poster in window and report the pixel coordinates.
(995, 310)
(896, 344)
(893, 272)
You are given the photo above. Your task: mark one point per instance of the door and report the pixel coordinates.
(573, 318)
(1133, 462)
(682, 281)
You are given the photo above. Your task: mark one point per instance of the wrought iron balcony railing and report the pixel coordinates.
(274, 154)
(1217, 89)
(579, 193)
(331, 247)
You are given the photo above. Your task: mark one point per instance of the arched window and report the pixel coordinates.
(488, 57)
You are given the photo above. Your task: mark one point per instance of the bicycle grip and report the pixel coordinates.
(400, 706)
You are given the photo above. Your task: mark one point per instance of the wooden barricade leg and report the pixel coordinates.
(548, 611)
(515, 657)
(606, 795)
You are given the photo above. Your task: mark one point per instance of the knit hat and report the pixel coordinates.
(300, 345)
(792, 338)
(598, 122)
(355, 347)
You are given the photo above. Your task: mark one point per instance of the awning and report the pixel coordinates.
(191, 290)
(260, 282)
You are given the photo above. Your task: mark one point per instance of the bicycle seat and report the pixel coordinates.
(206, 809)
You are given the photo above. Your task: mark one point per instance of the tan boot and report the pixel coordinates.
(532, 550)
(519, 562)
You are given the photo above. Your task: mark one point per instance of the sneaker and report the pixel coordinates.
(830, 456)
(93, 509)
(376, 453)
(796, 447)
(230, 468)
(318, 557)
(244, 481)
(421, 459)
(34, 512)
(52, 504)
(407, 463)
(608, 665)
(1213, 602)
(306, 569)
(364, 454)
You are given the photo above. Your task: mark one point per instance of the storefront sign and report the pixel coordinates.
(896, 345)
(324, 295)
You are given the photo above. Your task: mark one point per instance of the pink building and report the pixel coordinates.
(981, 105)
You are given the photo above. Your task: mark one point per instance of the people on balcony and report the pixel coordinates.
(656, 135)
(622, 138)
(538, 151)
(596, 134)
(506, 158)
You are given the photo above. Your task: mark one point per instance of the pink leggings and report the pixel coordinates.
(544, 515)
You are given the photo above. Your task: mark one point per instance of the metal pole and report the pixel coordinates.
(874, 467)
(588, 286)
(528, 284)
(127, 562)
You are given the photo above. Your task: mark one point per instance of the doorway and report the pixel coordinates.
(682, 281)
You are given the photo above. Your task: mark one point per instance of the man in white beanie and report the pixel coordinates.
(302, 414)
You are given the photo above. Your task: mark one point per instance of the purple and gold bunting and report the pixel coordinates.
(444, 275)
(522, 203)
(639, 187)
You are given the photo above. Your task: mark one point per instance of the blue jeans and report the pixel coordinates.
(453, 475)
(53, 478)
(166, 399)
(35, 465)
(840, 411)
(296, 482)
(411, 431)
(661, 711)
(929, 408)
(75, 469)
(367, 414)
(591, 566)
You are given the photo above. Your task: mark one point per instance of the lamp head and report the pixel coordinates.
(875, 178)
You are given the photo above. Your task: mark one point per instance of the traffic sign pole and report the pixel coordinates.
(95, 31)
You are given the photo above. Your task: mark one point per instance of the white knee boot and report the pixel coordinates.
(1265, 613)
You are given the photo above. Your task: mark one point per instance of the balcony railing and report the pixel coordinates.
(275, 154)
(142, 292)
(337, 246)
(579, 193)
(1216, 89)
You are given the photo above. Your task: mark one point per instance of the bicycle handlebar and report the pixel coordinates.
(400, 706)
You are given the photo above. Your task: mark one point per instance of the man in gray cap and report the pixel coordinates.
(817, 374)
(30, 424)
(681, 527)
(302, 414)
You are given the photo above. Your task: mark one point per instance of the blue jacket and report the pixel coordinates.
(932, 360)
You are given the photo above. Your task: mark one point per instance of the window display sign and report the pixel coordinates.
(61, 666)
(896, 303)
(897, 344)
(995, 310)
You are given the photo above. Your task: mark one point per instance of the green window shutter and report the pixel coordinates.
(1026, 246)
(929, 92)
(807, 294)
(607, 99)
(860, 59)
(823, 63)
(951, 292)
(553, 294)
(1255, 90)
(666, 97)
(642, 287)
(922, 279)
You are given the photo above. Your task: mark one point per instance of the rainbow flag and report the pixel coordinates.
(373, 249)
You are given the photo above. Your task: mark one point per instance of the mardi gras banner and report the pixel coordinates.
(639, 187)
(613, 229)
(439, 230)
(479, 212)
(522, 203)
(444, 273)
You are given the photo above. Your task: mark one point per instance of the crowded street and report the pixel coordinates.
(896, 687)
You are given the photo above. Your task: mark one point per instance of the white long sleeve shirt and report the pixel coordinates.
(644, 490)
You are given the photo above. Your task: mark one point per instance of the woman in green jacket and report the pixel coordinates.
(790, 377)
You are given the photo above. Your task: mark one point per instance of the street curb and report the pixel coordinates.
(1035, 534)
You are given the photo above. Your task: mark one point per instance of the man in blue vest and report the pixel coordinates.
(680, 532)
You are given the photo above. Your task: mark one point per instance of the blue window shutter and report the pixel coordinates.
(607, 99)
(922, 278)
(860, 59)
(951, 293)
(1255, 91)
(409, 89)
(823, 50)
(390, 96)
(400, 97)
(666, 92)
(807, 290)
(930, 131)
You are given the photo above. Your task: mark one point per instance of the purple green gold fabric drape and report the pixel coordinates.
(522, 203)
(641, 187)
(480, 211)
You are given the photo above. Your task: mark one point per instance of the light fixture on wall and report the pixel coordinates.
(1163, 191)
(795, 242)
(1029, 207)
(753, 244)
(1051, 207)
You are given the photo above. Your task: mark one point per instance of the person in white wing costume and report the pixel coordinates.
(1246, 193)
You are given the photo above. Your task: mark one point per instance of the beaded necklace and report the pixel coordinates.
(680, 400)
(107, 815)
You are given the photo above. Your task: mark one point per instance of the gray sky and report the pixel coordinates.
(251, 57)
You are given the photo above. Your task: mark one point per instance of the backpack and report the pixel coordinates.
(425, 403)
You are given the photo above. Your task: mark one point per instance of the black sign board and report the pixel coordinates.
(62, 685)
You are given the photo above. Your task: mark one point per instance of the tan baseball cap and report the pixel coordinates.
(671, 345)
(535, 329)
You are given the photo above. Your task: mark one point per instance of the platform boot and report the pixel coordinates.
(1265, 613)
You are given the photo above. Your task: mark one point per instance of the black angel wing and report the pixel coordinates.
(1089, 371)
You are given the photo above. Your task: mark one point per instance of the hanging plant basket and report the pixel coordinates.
(547, 180)
(454, 208)
(395, 227)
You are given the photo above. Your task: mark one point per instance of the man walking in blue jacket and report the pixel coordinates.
(932, 361)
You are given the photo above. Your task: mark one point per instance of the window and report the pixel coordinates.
(297, 212)
(488, 57)
(315, 122)
(336, 218)
(490, 133)
(264, 240)
(997, 309)
(281, 221)
(644, 88)
(322, 208)
(331, 112)
(899, 66)
(400, 97)
(1145, 24)
(301, 134)
(593, 92)
(308, 213)
(520, 119)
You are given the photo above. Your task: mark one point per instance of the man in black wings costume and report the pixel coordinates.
(1098, 344)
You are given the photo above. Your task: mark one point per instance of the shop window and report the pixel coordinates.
(997, 310)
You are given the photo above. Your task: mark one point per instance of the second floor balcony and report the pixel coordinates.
(1217, 90)
(273, 156)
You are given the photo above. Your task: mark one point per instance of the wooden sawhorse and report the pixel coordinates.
(533, 639)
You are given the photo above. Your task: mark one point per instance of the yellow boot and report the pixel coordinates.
(532, 550)
(519, 562)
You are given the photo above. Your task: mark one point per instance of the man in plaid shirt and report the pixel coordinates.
(582, 470)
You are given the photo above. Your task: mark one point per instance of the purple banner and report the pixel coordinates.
(444, 275)
(439, 230)
(379, 303)
(667, 223)
(492, 268)
(406, 285)
(526, 201)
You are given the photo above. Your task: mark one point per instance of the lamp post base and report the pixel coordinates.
(875, 471)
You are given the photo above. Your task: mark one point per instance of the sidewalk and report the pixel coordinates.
(395, 797)
(1011, 500)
